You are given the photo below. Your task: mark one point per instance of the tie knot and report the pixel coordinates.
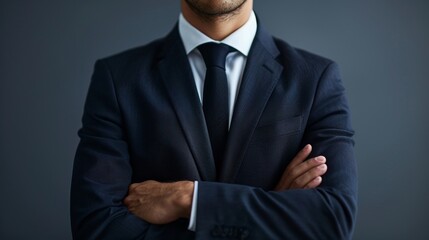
(214, 54)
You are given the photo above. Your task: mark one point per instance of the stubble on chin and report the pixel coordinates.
(209, 12)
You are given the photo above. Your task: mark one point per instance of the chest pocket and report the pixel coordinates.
(282, 127)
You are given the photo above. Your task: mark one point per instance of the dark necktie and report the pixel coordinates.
(215, 98)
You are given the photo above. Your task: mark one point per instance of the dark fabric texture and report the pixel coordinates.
(143, 120)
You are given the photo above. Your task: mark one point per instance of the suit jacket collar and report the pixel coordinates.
(177, 77)
(259, 79)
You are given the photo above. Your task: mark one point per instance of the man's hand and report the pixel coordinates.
(160, 203)
(302, 173)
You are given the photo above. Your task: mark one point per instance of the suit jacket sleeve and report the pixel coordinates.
(102, 171)
(327, 212)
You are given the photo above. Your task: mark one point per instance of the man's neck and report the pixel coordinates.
(218, 27)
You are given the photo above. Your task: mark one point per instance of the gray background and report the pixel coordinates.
(47, 51)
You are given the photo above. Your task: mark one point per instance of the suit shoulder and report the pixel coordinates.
(137, 56)
(300, 58)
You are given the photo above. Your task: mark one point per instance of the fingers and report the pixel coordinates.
(287, 177)
(310, 178)
(305, 168)
(303, 173)
(314, 183)
(301, 156)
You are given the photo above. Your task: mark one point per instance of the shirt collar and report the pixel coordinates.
(241, 39)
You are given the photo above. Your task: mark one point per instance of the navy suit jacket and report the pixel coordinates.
(143, 120)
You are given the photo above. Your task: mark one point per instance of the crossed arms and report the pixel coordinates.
(162, 203)
(106, 204)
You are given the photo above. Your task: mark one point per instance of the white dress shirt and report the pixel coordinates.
(241, 40)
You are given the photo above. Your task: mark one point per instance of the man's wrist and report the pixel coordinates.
(183, 199)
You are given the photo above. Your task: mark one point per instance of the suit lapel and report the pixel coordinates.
(260, 77)
(177, 77)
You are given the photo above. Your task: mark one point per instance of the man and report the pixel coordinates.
(174, 146)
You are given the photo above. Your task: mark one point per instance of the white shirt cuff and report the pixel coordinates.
(193, 218)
